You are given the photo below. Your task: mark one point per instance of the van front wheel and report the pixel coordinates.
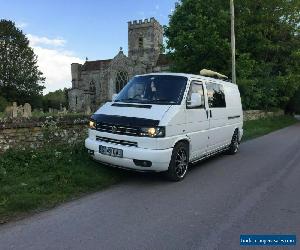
(179, 162)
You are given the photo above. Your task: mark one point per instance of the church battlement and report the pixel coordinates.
(135, 23)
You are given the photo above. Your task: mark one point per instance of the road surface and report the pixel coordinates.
(256, 191)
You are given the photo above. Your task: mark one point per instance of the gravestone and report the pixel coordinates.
(18, 111)
(88, 110)
(14, 110)
(64, 111)
(8, 111)
(27, 110)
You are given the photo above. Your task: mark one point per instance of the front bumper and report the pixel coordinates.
(160, 158)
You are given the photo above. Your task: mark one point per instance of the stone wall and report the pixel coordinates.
(39, 132)
(24, 133)
(256, 114)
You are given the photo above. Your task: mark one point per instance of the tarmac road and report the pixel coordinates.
(256, 191)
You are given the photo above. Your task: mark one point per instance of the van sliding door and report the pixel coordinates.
(197, 123)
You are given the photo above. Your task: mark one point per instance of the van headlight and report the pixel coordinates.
(153, 132)
(92, 124)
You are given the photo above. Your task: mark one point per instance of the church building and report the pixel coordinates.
(94, 82)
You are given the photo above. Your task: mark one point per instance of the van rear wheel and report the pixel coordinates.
(234, 146)
(179, 162)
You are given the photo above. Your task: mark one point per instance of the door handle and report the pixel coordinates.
(210, 113)
(207, 114)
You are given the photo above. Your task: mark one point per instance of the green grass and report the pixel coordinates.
(40, 179)
(33, 180)
(264, 126)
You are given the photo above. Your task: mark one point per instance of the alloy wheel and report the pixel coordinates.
(181, 162)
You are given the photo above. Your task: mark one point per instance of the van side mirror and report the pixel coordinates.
(196, 101)
(114, 96)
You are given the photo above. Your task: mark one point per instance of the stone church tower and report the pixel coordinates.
(94, 82)
(145, 40)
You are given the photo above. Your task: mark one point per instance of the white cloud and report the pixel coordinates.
(37, 40)
(157, 7)
(21, 25)
(55, 63)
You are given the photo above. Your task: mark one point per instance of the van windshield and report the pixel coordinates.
(153, 89)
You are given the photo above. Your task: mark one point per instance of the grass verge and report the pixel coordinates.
(264, 126)
(40, 179)
(33, 180)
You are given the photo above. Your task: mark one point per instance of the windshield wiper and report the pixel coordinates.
(157, 101)
(128, 99)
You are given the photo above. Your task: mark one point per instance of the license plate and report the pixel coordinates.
(114, 152)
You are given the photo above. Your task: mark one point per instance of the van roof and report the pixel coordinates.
(191, 76)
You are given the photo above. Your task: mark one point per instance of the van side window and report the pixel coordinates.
(197, 87)
(216, 96)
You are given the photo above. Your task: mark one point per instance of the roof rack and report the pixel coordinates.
(228, 80)
(213, 74)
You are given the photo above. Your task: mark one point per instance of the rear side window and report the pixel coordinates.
(216, 96)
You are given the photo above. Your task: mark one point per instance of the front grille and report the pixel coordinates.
(117, 129)
(118, 142)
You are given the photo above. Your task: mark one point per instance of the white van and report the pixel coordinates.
(163, 121)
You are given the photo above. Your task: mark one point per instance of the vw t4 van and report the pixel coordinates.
(162, 122)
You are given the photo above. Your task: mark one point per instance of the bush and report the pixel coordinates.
(294, 104)
(3, 104)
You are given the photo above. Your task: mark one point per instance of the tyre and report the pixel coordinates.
(179, 162)
(234, 146)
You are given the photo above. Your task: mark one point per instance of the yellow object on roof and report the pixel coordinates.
(210, 73)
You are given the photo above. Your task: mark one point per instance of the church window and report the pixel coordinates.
(76, 100)
(141, 42)
(92, 86)
(121, 80)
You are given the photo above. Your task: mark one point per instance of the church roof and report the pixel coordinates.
(96, 65)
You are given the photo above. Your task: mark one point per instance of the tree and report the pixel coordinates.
(267, 39)
(198, 36)
(19, 73)
(268, 33)
(55, 99)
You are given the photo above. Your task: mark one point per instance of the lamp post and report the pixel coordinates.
(232, 42)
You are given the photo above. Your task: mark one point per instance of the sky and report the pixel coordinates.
(62, 32)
